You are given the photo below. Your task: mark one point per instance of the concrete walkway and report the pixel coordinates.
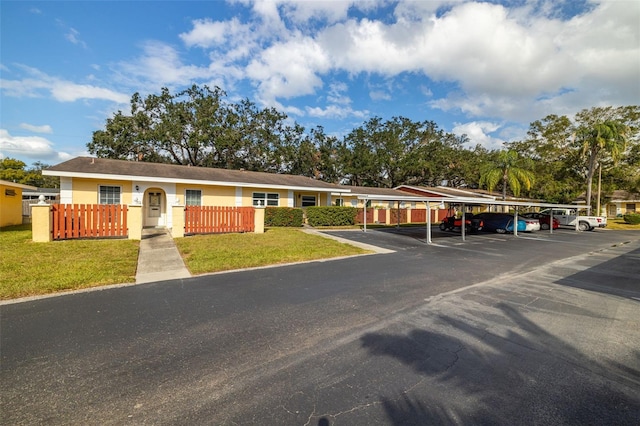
(159, 259)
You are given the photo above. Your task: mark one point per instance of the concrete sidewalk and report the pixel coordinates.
(159, 259)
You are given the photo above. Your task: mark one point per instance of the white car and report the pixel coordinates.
(532, 224)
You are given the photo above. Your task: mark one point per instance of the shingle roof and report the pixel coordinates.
(119, 168)
(17, 185)
(365, 190)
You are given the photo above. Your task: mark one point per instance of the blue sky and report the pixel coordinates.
(485, 69)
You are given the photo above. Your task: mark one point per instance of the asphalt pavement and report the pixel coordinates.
(542, 329)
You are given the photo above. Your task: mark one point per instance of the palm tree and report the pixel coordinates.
(506, 170)
(608, 138)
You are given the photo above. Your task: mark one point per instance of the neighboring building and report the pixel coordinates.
(622, 202)
(11, 202)
(30, 197)
(51, 195)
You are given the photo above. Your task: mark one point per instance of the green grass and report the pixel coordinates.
(621, 225)
(28, 268)
(213, 253)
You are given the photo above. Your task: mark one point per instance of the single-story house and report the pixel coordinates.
(158, 187)
(623, 202)
(11, 202)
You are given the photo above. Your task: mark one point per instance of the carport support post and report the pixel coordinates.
(515, 222)
(428, 223)
(398, 225)
(463, 225)
(365, 215)
(551, 221)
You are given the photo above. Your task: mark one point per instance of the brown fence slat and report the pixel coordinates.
(88, 221)
(215, 219)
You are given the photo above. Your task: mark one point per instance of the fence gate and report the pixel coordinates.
(214, 220)
(89, 221)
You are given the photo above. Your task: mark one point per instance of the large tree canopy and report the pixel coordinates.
(200, 126)
(16, 171)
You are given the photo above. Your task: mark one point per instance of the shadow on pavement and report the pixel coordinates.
(619, 276)
(528, 376)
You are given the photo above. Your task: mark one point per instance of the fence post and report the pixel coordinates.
(134, 221)
(177, 226)
(41, 223)
(259, 220)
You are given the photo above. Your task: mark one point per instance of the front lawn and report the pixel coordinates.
(621, 225)
(212, 253)
(28, 268)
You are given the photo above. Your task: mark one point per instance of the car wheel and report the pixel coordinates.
(501, 231)
(443, 227)
(544, 226)
(583, 226)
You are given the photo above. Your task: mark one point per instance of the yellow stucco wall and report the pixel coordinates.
(10, 206)
(86, 191)
(223, 196)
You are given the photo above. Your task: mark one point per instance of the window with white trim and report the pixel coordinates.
(339, 202)
(193, 197)
(109, 194)
(261, 199)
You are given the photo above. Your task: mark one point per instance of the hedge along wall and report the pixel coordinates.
(632, 218)
(331, 216)
(283, 216)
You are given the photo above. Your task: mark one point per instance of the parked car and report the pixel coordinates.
(500, 222)
(544, 220)
(473, 224)
(532, 224)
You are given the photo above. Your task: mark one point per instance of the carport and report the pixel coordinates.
(465, 201)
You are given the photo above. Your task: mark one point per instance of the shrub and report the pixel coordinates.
(632, 218)
(283, 216)
(331, 216)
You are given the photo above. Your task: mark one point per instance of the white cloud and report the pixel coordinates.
(33, 147)
(511, 62)
(303, 11)
(479, 132)
(74, 37)
(335, 111)
(61, 90)
(207, 33)
(37, 129)
(160, 65)
(289, 69)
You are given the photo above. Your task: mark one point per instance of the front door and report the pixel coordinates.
(154, 208)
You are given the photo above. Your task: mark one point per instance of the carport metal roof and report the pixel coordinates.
(466, 201)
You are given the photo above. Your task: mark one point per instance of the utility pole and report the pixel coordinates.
(599, 186)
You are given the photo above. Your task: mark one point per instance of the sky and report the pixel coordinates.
(484, 69)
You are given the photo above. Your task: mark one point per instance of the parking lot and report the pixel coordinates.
(410, 237)
(536, 329)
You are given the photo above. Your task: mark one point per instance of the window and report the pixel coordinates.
(354, 203)
(308, 200)
(339, 202)
(109, 194)
(631, 208)
(265, 199)
(193, 197)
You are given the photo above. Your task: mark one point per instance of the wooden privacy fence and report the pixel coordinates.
(210, 220)
(89, 221)
(360, 216)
